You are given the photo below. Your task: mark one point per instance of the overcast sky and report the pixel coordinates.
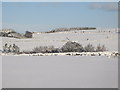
(45, 16)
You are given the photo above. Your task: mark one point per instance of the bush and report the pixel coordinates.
(15, 49)
(101, 48)
(89, 48)
(10, 48)
(72, 47)
(46, 49)
(5, 48)
(28, 34)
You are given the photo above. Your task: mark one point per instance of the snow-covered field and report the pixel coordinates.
(95, 37)
(59, 72)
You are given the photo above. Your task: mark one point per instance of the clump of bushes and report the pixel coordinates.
(69, 47)
(46, 49)
(10, 49)
(76, 47)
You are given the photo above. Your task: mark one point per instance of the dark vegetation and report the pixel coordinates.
(71, 29)
(12, 33)
(28, 34)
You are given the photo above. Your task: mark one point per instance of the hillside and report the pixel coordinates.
(71, 29)
(58, 39)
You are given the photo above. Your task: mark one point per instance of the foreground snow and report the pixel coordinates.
(59, 72)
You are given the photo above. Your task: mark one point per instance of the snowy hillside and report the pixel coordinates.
(109, 38)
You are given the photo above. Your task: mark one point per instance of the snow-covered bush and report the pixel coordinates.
(72, 47)
(15, 48)
(89, 48)
(101, 48)
(46, 49)
(5, 48)
(10, 48)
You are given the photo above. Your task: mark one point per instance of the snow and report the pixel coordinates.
(60, 72)
(109, 39)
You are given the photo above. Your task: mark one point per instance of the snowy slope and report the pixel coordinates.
(104, 37)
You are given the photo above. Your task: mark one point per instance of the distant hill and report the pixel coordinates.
(14, 34)
(71, 29)
(10, 33)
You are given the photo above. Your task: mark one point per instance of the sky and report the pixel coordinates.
(45, 16)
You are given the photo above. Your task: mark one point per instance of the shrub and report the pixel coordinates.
(72, 47)
(46, 49)
(5, 48)
(89, 48)
(28, 34)
(101, 48)
(15, 49)
(10, 48)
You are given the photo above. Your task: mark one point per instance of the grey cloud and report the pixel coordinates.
(105, 7)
